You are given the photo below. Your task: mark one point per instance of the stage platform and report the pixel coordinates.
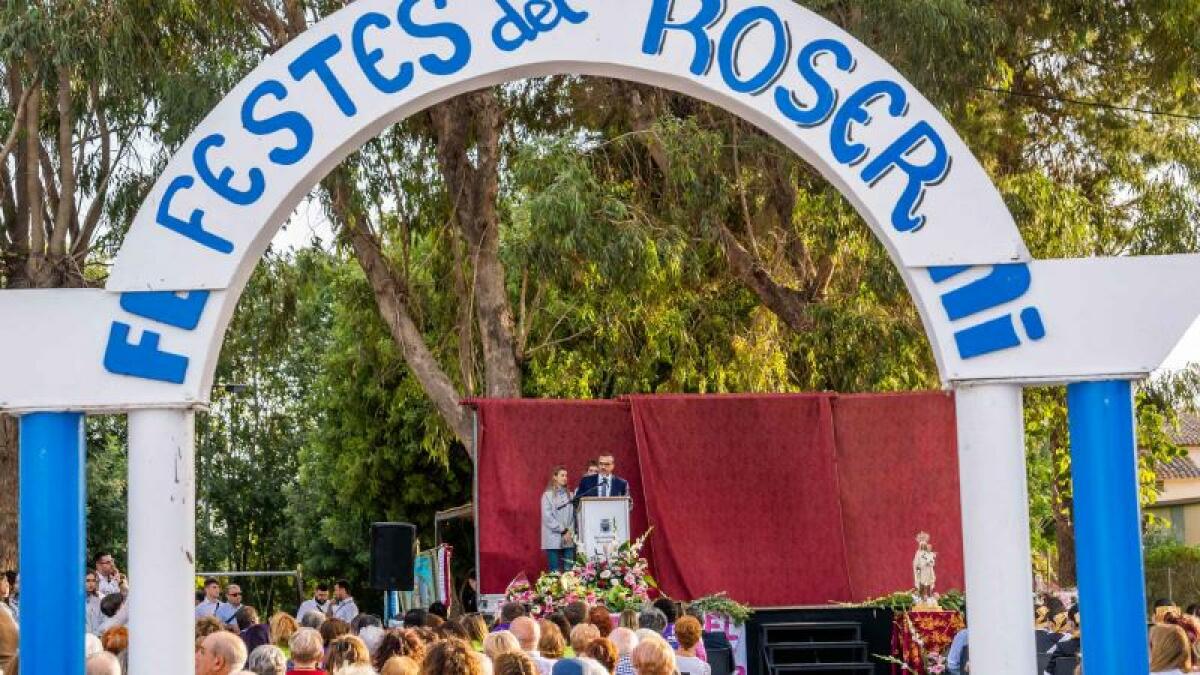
(818, 640)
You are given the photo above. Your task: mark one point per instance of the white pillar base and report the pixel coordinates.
(995, 518)
(162, 541)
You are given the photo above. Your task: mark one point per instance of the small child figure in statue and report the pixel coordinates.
(923, 573)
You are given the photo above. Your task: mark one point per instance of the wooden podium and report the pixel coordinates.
(603, 525)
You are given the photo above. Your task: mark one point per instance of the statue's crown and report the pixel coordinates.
(923, 538)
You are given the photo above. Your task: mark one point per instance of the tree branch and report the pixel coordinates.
(66, 167)
(787, 304)
(18, 119)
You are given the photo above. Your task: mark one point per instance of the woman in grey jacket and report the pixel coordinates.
(558, 522)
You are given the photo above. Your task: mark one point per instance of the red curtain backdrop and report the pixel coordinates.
(779, 500)
(743, 493)
(520, 441)
(898, 463)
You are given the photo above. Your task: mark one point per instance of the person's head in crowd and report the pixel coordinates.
(220, 654)
(604, 651)
(1163, 609)
(341, 590)
(372, 636)
(514, 663)
(312, 619)
(527, 632)
(104, 563)
(321, 594)
(669, 609)
(552, 644)
(653, 619)
(212, 590)
(91, 585)
(400, 665)
(111, 604)
(233, 595)
(425, 635)
(624, 640)
(92, 644)
(576, 612)
(644, 634)
(653, 657)
(307, 649)
(414, 618)
(628, 619)
(451, 657)
(500, 642)
(592, 468)
(439, 608)
(333, 629)
(399, 642)
(245, 617)
(1169, 649)
(484, 663)
(115, 640)
(510, 611)
(581, 635)
(102, 663)
(362, 621)
(283, 627)
(452, 629)
(207, 625)
(476, 628)
(693, 610)
(606, 463)
(267, 660)
(601, 618)
(433, 621)
(559, 620)
(354, 669)
(688, 632)
(347, 650)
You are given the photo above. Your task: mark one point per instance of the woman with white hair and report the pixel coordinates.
(307, 651)
(625, 641)
(267, 660)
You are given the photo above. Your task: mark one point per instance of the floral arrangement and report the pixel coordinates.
(722, 604)
(621, 581)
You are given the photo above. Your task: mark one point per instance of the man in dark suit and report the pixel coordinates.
(603, 484)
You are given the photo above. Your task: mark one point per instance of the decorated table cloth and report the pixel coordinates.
(922, 639)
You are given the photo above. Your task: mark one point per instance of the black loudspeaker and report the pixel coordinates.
(392, 556)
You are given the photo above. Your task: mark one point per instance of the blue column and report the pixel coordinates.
(1108, 533)
(52, 543)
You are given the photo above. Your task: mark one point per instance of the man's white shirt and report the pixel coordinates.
(222, 611)
(108, 585)
(311, 605)
(345, 610)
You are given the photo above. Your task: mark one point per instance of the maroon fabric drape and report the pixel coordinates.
(898, 463)
(520, 441)
(778, 500)
(743, 492)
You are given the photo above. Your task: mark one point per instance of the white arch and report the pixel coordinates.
(795, 52)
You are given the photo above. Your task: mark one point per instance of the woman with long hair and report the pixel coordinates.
(558, 522)
(1170, 652)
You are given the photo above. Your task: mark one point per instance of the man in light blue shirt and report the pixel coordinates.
(319, 603)
(954, 659)
(343, 604)
(211, 605)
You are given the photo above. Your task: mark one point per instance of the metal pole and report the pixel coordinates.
(53, 495)
(162, 541)
(995, 519)
(1108, 536)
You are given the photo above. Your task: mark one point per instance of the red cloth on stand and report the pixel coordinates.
(898, 475)
(742, 491)
(520, 441)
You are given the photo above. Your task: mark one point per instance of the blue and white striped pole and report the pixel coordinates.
(1108, 534)
(52, 543)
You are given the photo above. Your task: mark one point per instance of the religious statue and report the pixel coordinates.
(924, 576)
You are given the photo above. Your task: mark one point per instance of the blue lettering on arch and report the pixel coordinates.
(920, 176)
(316, 60)
(143, 360)
(454, 33)
(368, 60)
(222, 184)
(193, 227)
(731, 43)
(661, 21)
(1003, 285)
(855, 110)
(827, 96)
(291, 121)
(166, 307)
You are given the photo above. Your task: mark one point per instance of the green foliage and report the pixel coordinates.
(720, 603)
(1173, 572)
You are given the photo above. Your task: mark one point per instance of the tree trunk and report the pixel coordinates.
(474, 188)
(9, 492)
